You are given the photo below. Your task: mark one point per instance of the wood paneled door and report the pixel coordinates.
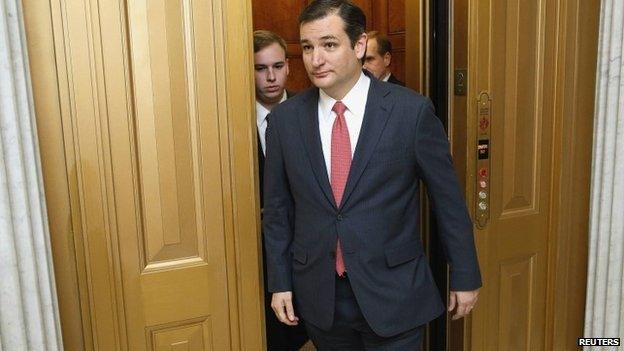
(281, 17)
(524, 129)
(144, 113)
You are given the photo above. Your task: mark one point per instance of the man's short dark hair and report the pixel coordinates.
(264, 38)
(383, 43)
(352, 16)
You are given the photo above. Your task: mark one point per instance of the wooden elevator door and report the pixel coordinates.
(144, 111)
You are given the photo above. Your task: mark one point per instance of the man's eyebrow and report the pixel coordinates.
(327, 37)
(259, 65)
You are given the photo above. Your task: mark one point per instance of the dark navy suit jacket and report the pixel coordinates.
(400, 143)
(394, 80)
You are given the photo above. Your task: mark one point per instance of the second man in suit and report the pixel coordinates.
(271, 72)
(379, 58)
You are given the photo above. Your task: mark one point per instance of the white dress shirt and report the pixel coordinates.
(261, 121)
(355, 101)
(385, 79)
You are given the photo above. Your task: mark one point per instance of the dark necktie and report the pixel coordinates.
(261, 158)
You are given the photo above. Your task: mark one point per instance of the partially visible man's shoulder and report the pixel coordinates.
(407, 97)
(291, 105)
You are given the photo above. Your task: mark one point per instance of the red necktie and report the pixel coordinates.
(340, 165)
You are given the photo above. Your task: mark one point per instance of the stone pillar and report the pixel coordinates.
(605, 292)
(29, 318)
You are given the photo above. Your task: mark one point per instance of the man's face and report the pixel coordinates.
(329, 58)
(375, 63)
(271, 70)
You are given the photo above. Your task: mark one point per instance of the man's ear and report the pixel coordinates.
(360, 46)
(387, 58)
(287, 67)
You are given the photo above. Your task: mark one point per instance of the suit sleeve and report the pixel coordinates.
(448, 203)
(278, 208)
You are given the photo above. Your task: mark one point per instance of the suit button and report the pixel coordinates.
(339, 218)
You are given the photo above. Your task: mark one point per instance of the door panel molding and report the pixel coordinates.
(516, 278)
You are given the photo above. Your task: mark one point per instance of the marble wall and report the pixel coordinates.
(28, 304)
(605, 292)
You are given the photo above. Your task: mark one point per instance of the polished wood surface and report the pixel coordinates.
(389, 17)
(144, 110)
(511, 57)
(565, 306)
(417, 45)
(59, 181)
(281, 17)
(536, 59)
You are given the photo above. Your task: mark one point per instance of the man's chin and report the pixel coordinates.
(273, 95)
(321, 82)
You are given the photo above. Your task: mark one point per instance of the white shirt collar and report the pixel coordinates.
(261, 115)
(385, 79)
(353, 99)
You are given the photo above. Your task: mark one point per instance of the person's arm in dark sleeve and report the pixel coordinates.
(277, 213)
(448, 203)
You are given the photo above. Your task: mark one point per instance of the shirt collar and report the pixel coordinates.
(385, 79)
(353, 100)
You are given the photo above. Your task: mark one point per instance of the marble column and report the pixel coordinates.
(29, 318)
(605, 291)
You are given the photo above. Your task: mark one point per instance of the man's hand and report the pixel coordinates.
(464, 300)
(282, 305)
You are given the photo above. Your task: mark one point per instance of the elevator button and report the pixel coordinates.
(484, 124)
(483, 206)
(483, 184)
(482, 195)
(483, 172)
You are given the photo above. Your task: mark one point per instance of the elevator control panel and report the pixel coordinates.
(482, 192)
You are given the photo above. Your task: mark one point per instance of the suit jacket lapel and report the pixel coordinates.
(308, 122)
(375, 118)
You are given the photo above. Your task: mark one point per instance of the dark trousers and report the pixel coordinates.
(279, 336)
(350, 330)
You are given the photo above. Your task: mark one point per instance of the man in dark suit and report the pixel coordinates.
(379, 58)
(342, 199)
(271, 72)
